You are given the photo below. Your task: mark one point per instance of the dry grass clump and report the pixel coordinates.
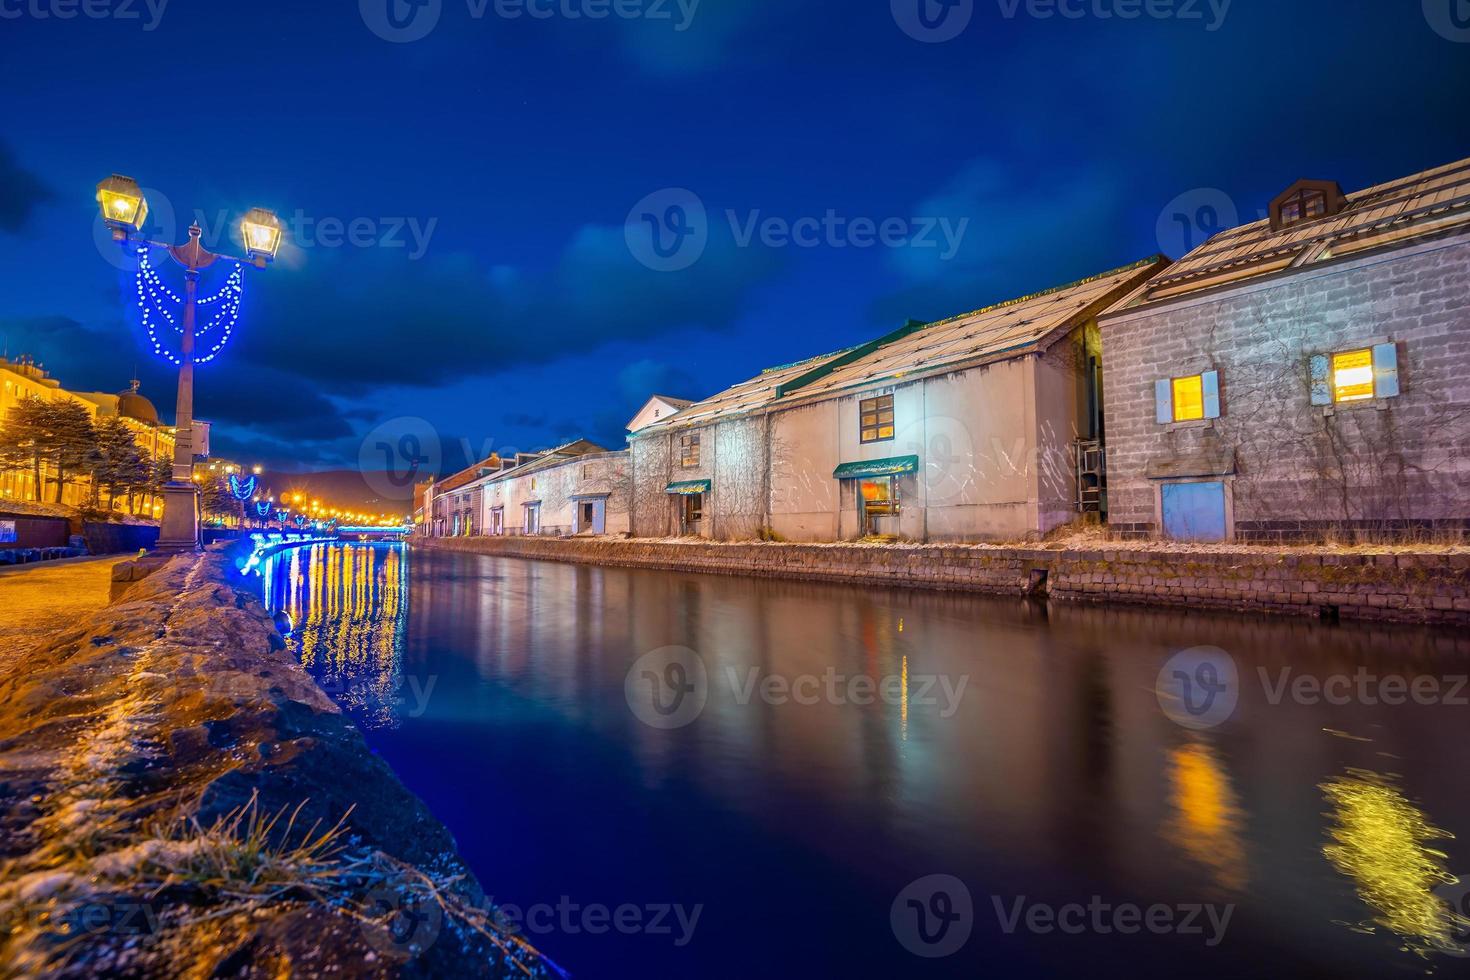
(245, 856)
(61, 914)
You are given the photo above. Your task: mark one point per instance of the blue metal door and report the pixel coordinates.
(1194, 511)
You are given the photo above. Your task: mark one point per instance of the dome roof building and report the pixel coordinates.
(132, 405)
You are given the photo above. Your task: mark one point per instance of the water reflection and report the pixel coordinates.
(1206, 824)
(349, 611)
(1380, 842)
(1057, 776)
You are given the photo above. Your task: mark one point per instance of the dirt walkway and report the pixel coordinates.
(37, 600)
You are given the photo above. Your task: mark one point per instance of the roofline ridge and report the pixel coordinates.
(1132, 266)
(787, 367)
(1345, 233)
(1383, 194)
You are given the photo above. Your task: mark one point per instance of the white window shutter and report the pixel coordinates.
(1385, 370)
(1321, 379)
(1164, 401)
(1210, 383)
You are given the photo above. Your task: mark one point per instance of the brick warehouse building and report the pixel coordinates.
(979, 426)
(1306, 375)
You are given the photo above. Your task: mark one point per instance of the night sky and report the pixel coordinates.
(491, 165)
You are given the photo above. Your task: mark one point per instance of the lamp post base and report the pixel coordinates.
(180, 529)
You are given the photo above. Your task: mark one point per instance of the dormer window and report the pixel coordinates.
(1302, 205)
(1306, 200)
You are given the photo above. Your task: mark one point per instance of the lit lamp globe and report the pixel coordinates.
(261, 230)
(124, 209)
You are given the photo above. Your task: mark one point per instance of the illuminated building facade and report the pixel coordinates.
(578, 488)
(154, 438)
(23, 378)
(983, 426)
(20, 379)
(1303, 375)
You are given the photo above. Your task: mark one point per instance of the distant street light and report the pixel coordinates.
(124, 209)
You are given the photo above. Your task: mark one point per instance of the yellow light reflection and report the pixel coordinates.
(1207, 820)
(903, 707)
(350, 608)
(1379, 840)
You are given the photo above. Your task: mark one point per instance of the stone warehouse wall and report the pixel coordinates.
(1387, 465)
(1406, 588)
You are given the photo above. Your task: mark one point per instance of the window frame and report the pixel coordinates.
(1199, 381)
(689, 450)
(1303, 201)
(1332, 372)
(876, 408)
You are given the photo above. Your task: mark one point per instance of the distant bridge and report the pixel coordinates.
(388, 533)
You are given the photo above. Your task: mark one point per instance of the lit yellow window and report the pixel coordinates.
(1352, 375)
(1189, 398)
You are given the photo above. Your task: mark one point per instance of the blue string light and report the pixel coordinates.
(154, 297)
(242, 489)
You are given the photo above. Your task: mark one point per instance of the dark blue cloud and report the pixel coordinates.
(527, 141)
(21, 193)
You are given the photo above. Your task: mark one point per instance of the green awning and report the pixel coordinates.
(894, 466)
(689, 487)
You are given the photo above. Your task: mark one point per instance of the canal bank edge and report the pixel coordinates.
(127, 746)
(1402, 587)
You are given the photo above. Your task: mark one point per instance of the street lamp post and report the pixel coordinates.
(124, 209)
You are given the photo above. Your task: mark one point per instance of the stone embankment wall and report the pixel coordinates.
(1401, 587)
(128, 740)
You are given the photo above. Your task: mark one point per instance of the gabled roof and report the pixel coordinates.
(466, 476)
(996, 332)
(671, 403)
(1401, 210)
(565, 453)
(738, 399)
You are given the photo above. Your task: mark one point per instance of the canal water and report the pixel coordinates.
(674, 775)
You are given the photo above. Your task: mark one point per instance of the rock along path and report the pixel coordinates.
(37, 601)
